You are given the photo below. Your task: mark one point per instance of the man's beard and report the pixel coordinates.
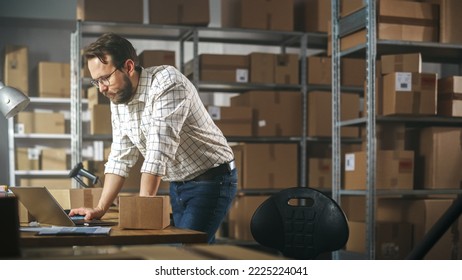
(125, 94)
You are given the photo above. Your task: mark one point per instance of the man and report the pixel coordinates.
(157, 112)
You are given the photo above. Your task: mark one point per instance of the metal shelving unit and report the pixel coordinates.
(373, 48)
(33, 139)
(197, 36)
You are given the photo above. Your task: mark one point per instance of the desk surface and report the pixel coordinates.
(117, 236)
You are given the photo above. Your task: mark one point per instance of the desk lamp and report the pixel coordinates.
(78, 170)
(12, 101)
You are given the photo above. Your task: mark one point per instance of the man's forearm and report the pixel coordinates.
(112, 186)
(149, 184)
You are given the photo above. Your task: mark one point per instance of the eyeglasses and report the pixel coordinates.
(103, 80)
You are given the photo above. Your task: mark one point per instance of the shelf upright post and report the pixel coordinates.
(304, 92)
(196, 71)
(336, 148)
(371, 53)
(76, 98)
(11, 152)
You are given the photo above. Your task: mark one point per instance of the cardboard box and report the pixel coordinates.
(27, 158)
(100, 122)
(262, 67)
(320, 113)
(424, 213)
(136, 212)
(50, 183)
(394, 170)
(221, 68)
(96, 98)
(240, 215)
(150, 58)
(54, 79)
(352, 72)
(55, 159)
(440, 154)
(258, 14)
(320, 173)
(287, 70)
(312, 15)
(450, 21)
(411, 62)
(389, 136)
(409, 93)
(110, 10)
(179, 12)
(393, 240)
(76, 198)
(16, 68)
(40, 122)
(233, 120)
(268, 166)
(450, 96)
(405, 21)
(265, 104)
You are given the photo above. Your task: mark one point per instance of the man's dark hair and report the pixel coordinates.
(119, 48)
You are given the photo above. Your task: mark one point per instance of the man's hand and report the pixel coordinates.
(89, 213)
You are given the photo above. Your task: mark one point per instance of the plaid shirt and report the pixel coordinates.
(168, 124)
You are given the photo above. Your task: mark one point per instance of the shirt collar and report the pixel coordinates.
(143, 82)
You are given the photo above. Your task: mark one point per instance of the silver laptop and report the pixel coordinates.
(46, 210)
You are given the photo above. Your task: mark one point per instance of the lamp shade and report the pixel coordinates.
(12, 101)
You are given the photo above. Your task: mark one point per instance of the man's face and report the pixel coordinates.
(113, 83)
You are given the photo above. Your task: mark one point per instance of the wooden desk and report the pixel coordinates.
(117, 236)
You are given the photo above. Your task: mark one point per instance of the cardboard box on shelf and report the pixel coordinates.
(258, 14)
(27, 158)
(221, 68)
(265, 104)
(16, 68)
(410, 62)
(409, 93)
(150, 58)
(114, 11)
(441, 155)
(320, 114)
(393, 241)
(423, 214)
(395, 170)
(100, 122)
(450, 96)
(389, 136)
(287, 69)
(232, 120)
(353, 71)
(320, 173)
(262, 67)
(54, 79)
(240, 215)
(311, 15)
(136, 212)
(267, 166)
(179, 12)
(40, 122)
(408, 21)
(55, 159)
(95, 97)
(50, 183)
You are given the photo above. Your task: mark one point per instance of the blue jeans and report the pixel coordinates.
(202, 205)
